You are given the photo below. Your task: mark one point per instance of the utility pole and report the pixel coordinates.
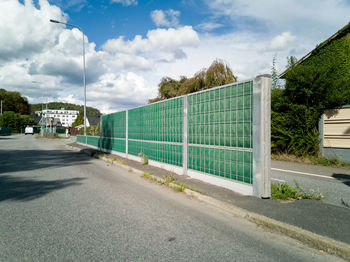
(1, 107)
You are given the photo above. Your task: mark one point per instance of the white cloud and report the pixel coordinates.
(157, 40)
(209, 26)
(125, 73)
(307, 17)
(125, 2)
(160, 45)
(281, 41)
(168, 18)
(49, 55)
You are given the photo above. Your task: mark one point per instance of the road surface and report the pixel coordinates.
(60, 205)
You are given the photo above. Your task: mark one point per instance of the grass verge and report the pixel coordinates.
(312, 160)
(286, 192)
(169, 181)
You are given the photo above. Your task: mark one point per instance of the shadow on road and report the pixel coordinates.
(5, 138)
(343, 178)
(27, 160)
(22, 189)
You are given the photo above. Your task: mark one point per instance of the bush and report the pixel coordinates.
(294, 131)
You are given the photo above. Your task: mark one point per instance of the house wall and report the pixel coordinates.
(335, 133)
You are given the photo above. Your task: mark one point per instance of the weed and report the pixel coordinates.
(312, 160)
(144, 158)
(120, 161)
(286, 192)
(168, 179)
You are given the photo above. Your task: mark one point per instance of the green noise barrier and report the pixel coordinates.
(220, 135)
(5, 131)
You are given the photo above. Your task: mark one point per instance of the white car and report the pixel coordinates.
(29, 130)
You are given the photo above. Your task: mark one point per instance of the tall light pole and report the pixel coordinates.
(84, 77)
(42, 110)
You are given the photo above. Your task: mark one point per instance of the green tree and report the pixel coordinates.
(13, 101)
(16, 121)
(275, 81)
(58, 105)
(79, 120)
(322, 81)
(217, 74)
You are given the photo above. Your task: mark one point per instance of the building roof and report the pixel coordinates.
(345, 30)
(93, 120)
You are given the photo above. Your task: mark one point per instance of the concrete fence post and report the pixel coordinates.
(126, 132)
(262, 137)
(184, 135)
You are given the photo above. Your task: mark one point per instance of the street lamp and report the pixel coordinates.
(42, 110)
(84, 77)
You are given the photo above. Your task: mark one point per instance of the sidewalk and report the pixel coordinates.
(329, 221)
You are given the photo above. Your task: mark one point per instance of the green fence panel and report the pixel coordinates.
(114, 125)
(166, 153)
(5, 131)
(81, 139)
(93, 141)
(222, 118)
(161, 121)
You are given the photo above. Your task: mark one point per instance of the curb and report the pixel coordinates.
(311, 239)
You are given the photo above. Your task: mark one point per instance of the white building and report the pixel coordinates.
(66, 117)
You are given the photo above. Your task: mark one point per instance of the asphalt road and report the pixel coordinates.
(60, 205)
(332, 183)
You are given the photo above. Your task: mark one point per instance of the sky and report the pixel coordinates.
(131, 44)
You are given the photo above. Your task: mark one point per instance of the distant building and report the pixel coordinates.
(65, 117)
(90, 121)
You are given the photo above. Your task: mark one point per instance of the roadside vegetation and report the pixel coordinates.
(285, 192)
(169, 181)
(217, 74)
(322, 81)
(312, 160)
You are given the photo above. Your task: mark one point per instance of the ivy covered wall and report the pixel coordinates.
(321, 81)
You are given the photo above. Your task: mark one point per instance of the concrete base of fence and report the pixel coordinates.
(237, 187)
(175, 169)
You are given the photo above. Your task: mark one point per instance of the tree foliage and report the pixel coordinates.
(320, 82)
(16, 121)
(79, 120)
(13, 101)
(275, 81)
(217, 74)
(58, 105)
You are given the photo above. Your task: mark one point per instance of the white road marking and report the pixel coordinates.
(307, 174)
(279, 180)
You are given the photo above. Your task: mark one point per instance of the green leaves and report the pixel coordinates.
(16, 121)
(216, 75)
(320, 82)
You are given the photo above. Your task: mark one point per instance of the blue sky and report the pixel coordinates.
(132, 44)
(103, 20)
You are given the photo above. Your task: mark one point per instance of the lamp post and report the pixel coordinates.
(42, 110)
(84, 77)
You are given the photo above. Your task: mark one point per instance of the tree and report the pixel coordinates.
(16, 121)
(291, 61)
(322, 81)
(58, 105)
(275, 81)
(79, 120)
(217, 74)
(13, 101)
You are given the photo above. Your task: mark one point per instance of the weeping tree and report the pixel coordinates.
(219, 73)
